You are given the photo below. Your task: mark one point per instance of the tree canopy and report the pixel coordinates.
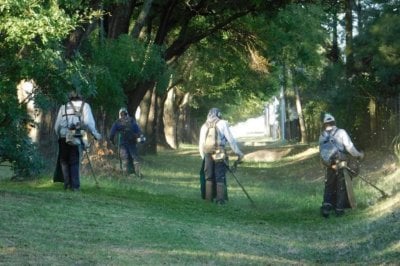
(232, 54)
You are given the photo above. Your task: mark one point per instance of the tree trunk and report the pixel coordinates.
(184, 127)
(170, 114)
(282, 103)
(145, 106)
(372, 115)
(299, 109)
(74, 40)
(349, 38)
(118, 22)
(359, 10)
(334, 53)
(151, 125)
(136, 94)
(141, 20)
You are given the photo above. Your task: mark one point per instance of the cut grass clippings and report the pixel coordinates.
(162, 220)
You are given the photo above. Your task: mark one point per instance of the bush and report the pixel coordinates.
(17, 148)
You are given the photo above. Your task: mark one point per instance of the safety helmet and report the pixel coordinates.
(215, 112)
(74, 95)
(328, 118)
(122, 111)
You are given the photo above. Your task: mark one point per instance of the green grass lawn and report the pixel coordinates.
(161, 219)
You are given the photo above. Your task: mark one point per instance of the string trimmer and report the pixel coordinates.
(234, 167)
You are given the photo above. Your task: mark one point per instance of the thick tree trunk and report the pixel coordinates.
(148, 122)
(170, 116)
(141, 20)
(75, 39)
(136, 94)
(118, 22)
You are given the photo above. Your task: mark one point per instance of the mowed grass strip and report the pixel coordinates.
(162, 220)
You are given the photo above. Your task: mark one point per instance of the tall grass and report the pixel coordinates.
(161, 219)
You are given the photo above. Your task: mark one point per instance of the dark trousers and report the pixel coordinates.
(129, 156)
(214, 170)
(335, 193)
(69, 160)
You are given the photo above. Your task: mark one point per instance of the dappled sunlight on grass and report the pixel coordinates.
(392, 249)
(385, 207)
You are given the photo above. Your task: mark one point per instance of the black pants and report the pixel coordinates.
(214, 170)
(129, 155)
(69, 160)
(335, 193)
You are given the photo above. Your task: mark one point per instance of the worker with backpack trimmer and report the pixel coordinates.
(128, 135)
(214, 135)
(336, 149)
(73, 119)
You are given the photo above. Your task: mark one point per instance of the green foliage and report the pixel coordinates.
(30, 48)
(226, 70)
(296, 37)
(378, 55)
(376, 76)
(20, 152)
(120, 61)
(33, 23)
(15, 147)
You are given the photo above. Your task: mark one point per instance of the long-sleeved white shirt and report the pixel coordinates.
(225, 136)
(66, 117)
(342, 140)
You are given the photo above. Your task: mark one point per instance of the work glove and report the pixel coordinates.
(238, 161)
(141, 139)
(97, 136)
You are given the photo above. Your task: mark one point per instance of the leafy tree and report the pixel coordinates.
(30, 36)
(378, 76)
(295, 41)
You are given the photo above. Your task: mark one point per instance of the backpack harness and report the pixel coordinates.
(127, 133)
(76, 113)
(211, 144)
(329, 151)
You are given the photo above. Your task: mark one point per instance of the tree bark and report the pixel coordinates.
(170, 117)
(74, 40)
(141, 20)
(118, 22)
(349, 37)
(299, 109)
(148, 122)
(334, 53)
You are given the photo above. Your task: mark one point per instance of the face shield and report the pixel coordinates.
(123, 113)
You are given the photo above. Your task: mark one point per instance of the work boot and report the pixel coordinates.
(209, 190)
(136, 166)
(339, 212)
(220, 193)
(326, 209)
